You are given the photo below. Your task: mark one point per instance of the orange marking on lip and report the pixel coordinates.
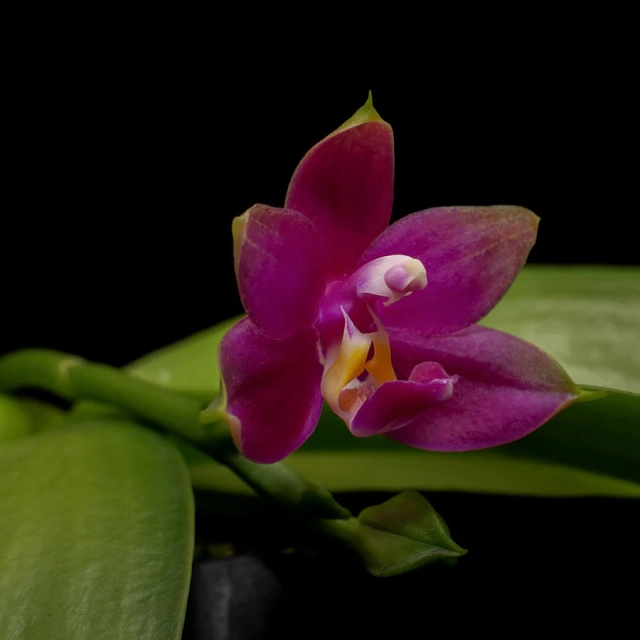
(380, 366)
(349, 364)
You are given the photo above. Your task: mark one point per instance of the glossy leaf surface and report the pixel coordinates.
(96, 535)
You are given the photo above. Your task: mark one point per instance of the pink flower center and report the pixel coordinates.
(352, 341)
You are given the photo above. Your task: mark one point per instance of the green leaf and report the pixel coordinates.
(96, 535)
(190, 366)
(403, 534)
(20, 417)
(14, 420)
(585, 451)
(586, 317)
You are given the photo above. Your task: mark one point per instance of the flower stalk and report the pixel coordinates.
(399, 535)
(73, 379)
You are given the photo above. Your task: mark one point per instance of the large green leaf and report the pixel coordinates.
(581, 453)
(190, 365)
(14, 420)
(21, 416)
(96, 535)
(587, 317)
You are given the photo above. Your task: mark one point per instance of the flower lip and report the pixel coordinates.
(356, 365)
(346, 361)
(359, 373)
(398, 403)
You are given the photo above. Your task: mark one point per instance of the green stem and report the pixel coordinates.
(74, 379)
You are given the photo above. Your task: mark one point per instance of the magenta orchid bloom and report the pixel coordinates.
(380, 322)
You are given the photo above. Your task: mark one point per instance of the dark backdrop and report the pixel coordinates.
(123, 165)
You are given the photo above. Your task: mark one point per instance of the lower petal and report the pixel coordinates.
(273, 390)
(506, 388)
(480, 415)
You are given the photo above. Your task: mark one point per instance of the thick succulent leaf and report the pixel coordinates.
(190, 366)
(14, 420)
(22, 416)
(116, 509)
(587, 318)
(546, 463)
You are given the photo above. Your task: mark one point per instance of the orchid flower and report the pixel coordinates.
(379, 322)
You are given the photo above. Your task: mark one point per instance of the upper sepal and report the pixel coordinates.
(344, 184)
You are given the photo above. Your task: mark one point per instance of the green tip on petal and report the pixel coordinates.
(586, 394)
(216, 411)
(366, 113)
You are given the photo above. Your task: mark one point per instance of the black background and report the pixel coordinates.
(123, 162)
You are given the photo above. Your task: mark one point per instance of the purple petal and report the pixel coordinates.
(278, 269)
(471, 254)
(506, 388)
(345, 185)
(397, 403)
(272, 389)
